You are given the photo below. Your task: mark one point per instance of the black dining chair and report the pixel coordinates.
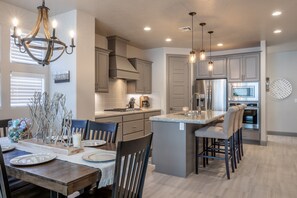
(101, 131)
(78, 126)
(130, 169)
(28, 190)
(3, 126)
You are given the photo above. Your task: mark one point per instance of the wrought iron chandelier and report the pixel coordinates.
(48, 44)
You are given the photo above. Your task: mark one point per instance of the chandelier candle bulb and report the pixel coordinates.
(72, 37)
(54, 25)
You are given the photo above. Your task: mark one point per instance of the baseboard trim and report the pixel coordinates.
(282, 133)
(263, 143)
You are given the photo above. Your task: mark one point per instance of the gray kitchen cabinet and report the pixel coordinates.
(144, 84)
(244, 67)
(101, 69)
(148, 123)
(219, 68)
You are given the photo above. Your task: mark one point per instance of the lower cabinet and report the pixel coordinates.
(131, 126)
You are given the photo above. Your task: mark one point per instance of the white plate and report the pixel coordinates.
(6, 148)
(32, 159)
(99, 157)
(93, 142)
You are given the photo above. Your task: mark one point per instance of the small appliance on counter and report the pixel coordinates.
(144, 102)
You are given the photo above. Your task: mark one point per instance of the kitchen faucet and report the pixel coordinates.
(192, 99)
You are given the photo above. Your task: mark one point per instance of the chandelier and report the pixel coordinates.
(192, 56)
(202, 51)
(210, 63)
(47, 44)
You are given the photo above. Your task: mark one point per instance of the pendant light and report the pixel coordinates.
(202, 51)
(210, 63)
(192, 57)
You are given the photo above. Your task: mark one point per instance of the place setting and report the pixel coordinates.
(98, 157)
(32, 159)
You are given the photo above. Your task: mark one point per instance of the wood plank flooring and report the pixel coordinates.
(265, 171)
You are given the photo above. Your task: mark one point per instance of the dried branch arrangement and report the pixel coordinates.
(50, 118)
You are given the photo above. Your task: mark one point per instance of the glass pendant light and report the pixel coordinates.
(192, 57)
(202, 51)
(210, 63)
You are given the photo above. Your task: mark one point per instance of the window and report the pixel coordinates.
(23, 86)
(18, 57)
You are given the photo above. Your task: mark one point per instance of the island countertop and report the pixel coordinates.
(205, 117)
(104, 114)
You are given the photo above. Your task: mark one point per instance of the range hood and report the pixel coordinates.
(119, 66)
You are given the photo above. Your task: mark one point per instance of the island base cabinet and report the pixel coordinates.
(173, 148)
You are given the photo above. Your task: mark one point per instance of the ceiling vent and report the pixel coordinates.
(185, 29)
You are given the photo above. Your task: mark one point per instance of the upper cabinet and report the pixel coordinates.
(219, 69)
(244, 67)
(144, 84)
(101, 69)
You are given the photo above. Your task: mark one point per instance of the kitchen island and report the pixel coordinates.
(174, 141)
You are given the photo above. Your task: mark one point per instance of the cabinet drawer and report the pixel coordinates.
(133, 135)
(120, 132)
(147, 127)
(133, 126)
(147, 115)
(117, 119)
(137, 116)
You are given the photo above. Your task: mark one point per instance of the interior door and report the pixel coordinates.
(178, 73)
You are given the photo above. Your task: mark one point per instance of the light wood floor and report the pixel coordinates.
(265, 171)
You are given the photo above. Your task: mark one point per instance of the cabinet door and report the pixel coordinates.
(234, 69)
(202, 70)
(140, 66)
(250, 66)
(219, 68)
(101, 70)
(147, 84)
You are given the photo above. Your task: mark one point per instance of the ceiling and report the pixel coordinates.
(236, 23)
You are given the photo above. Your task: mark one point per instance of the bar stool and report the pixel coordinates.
(236, 136)
(215, 132)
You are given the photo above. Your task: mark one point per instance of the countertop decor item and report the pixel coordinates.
(19, 129)
(49, 44)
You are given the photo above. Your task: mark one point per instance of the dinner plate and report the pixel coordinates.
(93, 142)
(6, 148)
(32, 159)
(99, 157)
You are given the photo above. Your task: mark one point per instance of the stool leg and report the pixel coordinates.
(206, 147)
(196, 155)
(203, 151)
(238, 146)
(227, 159)
(241, 145)
(233, 151)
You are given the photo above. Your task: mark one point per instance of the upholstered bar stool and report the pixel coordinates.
(215, 132)
(236, 135)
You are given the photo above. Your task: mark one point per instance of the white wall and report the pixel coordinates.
(81, 64)
(281, 63)
(26, 19)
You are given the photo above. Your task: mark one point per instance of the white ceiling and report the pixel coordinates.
(236, 23)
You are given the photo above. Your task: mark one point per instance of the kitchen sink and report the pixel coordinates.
(123, 109)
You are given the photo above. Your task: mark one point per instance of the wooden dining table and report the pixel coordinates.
(62, 178)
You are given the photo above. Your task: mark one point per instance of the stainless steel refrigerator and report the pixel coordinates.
(210, 94)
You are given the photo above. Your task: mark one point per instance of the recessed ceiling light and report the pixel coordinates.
(147, 28)
(277, 31)
(168, 39)
(276, 13)
(220, 44)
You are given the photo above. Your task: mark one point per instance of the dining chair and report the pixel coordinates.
(3, 126)
(101, 131)
(77, 125)
(28, 191)
(130, 169)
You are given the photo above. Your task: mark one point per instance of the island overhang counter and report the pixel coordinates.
(174, 141)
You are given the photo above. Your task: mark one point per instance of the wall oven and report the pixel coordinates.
(244, 91)
(251, 115)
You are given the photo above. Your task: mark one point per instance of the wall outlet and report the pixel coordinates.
(181, 126)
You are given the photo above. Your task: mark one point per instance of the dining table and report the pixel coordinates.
(65, 174)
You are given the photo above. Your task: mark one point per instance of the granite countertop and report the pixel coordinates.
(205, 117)
(104, 114)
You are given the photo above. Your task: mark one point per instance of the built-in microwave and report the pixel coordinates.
(244, 91)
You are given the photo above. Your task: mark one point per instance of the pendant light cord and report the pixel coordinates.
(192, 33)
(202, 37)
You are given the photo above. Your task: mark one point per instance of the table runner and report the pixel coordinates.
(107, 168)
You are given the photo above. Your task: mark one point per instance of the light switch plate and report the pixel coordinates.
(181, 126)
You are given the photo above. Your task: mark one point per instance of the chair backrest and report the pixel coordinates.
(101, 131)
(3, 127)
(243, 106)
(131, 165)
(236, 119)
(228, 124)
(4, 185)
(78, 126)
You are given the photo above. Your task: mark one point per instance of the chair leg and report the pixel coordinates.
(232, 153)
(240, 134)
(203, 152)
(206, 147)
(238, 144)
(196, 155)
(227, 159)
